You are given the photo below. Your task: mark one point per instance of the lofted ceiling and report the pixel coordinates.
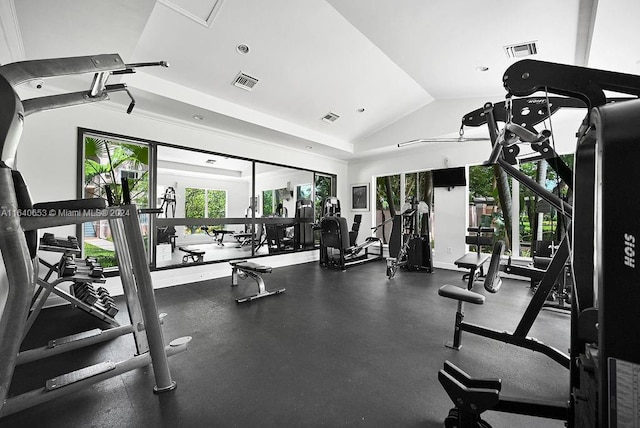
(372, 62)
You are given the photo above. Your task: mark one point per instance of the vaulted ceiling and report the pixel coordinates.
(371, 62)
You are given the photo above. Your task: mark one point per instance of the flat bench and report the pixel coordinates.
(193, 255)
(474, 262)
(478, 237)
(216, 234)
(243, 269)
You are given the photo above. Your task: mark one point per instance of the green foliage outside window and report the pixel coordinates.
(267, 202)
(323, 191)
(106, 161)
(204, 203)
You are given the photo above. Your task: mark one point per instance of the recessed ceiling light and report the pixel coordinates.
(482, 68)
(360, 110)
(198, 117)
(242, 49)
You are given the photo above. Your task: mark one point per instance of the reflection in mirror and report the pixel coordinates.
(206, 207)
(287, 208)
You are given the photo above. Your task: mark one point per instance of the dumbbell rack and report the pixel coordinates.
(46, 286)
(139, 296)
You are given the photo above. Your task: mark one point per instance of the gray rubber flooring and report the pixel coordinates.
(336, 349)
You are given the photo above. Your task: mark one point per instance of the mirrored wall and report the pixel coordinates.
(211, 207)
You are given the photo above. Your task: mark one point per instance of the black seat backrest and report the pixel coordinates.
(480, 237)
(355, 227)
(335, 232)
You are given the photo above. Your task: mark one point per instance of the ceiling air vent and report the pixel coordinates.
(330, 117)
(521, 50)
(245, 81)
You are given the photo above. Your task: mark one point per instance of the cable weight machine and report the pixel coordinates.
(410, 241)
(604, 356)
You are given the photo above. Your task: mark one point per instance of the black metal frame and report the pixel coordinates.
(605, 145)
(519, 337)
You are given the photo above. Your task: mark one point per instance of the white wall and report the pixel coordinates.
(47, 158)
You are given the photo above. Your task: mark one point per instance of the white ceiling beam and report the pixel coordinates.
(587, 10)
(11, 36)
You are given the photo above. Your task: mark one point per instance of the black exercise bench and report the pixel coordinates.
(492, 284)
(193, 255)
(216, 234)
(478, 236)
(243, 269)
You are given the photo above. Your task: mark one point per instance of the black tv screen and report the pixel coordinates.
(449, 177)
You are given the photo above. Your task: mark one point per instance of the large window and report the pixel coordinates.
(107, 163)
(204, 203)
(268, 207)
(387, 204)
(527, 218)
(324, 188)
(394, 194)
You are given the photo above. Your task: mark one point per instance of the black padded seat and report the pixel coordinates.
(461, 294)
(254, 267)
(472, 260)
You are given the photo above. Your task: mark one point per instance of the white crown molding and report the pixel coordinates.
(11, 31)
(217, 4)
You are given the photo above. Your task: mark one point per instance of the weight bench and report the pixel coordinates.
(492, 284)
(252, 270)
(478, 236)
(194, 256)
(475, 263)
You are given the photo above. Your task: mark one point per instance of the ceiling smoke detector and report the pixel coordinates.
(244, 81)
(521, 50)
(330, 117)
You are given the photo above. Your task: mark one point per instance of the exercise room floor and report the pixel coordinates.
(336, 349)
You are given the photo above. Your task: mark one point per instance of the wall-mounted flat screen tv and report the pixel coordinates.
(450, 177)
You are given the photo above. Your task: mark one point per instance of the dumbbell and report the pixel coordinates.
(91, 261)
(85, 293)
(71, 242)
(108, 308)
(49, 238)
(96, 272)
(102, 292)
(104, 297)
(67, 266)
(84, 290)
